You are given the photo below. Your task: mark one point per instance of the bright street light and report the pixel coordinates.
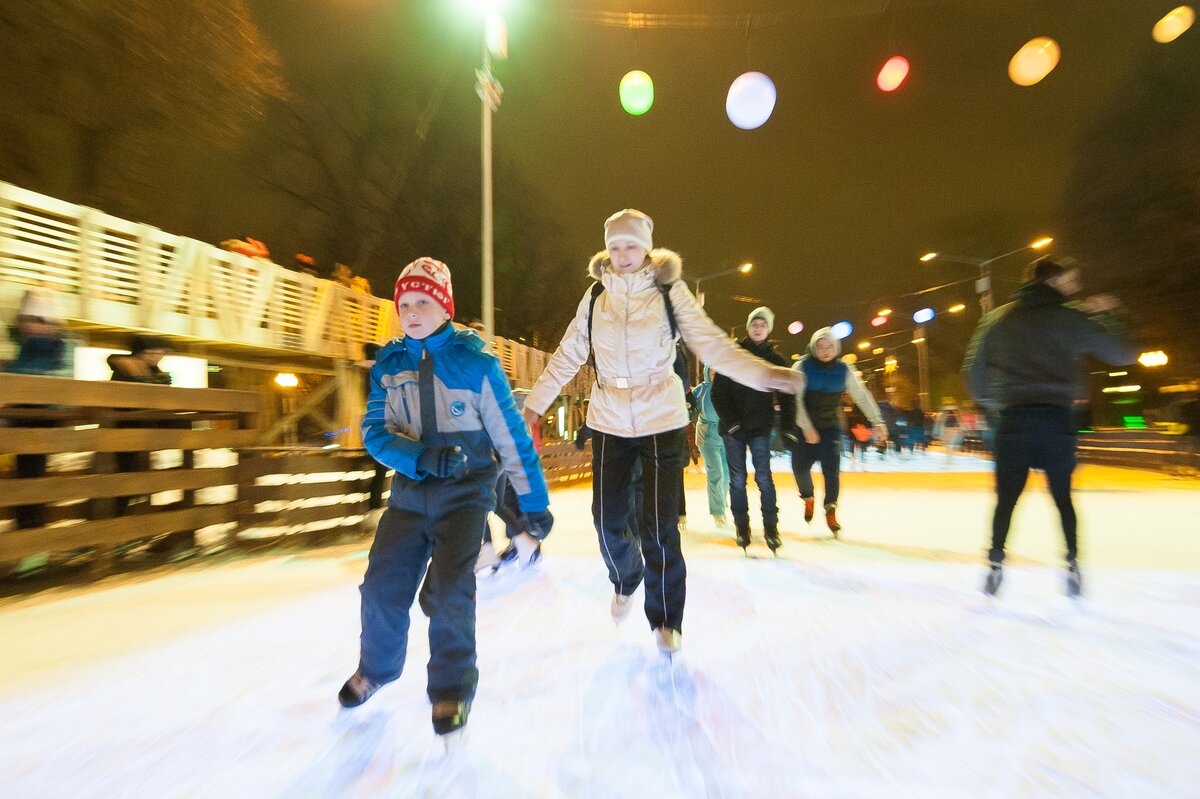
(1040, 243)
(929, 256)
(862, 345)
(956, 308)
(884, 312)
(1156, 358)
(745, 268)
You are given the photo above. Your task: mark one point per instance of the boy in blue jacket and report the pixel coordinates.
(441, 414)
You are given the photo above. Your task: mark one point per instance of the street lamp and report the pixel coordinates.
(983, 286)
(743, 269)
(495, 43)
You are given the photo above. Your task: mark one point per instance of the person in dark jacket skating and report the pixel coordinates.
(441, 414)
(747, 418)
(1025, 366)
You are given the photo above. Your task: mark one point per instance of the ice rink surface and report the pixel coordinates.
(867, 667)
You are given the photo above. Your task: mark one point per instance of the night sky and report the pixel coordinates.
(839, 193)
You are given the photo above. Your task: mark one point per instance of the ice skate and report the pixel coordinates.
(831, 519)
(669, 641)
(742, 534)
(522, 552)
(487, 558)
(1074, 580)
(720, 521)
(810, 506)
(771, 533)
(995, 576)
(450, 721)
(620, 607)
(358, 689)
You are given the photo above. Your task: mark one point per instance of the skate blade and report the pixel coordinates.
(454, 741)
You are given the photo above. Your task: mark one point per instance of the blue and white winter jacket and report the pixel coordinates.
(473, 408)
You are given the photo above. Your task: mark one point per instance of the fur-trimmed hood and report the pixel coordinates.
(667, 265)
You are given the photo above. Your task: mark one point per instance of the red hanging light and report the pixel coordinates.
(893, 73)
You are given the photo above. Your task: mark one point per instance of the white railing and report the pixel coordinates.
(114, 273)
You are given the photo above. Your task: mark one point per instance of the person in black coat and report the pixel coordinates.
(747, 419)
(1025, 366)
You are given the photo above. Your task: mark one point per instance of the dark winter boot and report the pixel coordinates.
(1074, 581)
(358, 689)
(810, 506)
(771, 533)
(995, 576)
(742, 532)
(831, 518)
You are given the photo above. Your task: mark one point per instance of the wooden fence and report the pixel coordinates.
(83, 457)
(90, 465)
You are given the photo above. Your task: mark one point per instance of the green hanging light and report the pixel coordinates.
(637, 92)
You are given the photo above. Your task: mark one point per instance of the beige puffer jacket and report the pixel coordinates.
(637, 392)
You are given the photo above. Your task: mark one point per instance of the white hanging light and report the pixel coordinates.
(750, 101)
(1036, 59)
(1174, 24)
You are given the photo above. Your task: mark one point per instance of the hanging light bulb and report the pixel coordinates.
(1036, 59)
(841, 330)
(796, 327)
(893, 73)
(1174, 24)
(637, 92)
(750, 101)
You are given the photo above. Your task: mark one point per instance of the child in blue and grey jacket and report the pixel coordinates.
(441, 414)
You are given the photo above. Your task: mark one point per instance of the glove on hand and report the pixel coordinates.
(539, 523)
(443, 461)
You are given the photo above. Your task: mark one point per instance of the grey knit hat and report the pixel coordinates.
(764, 313)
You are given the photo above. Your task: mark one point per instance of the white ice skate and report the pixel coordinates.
(528, 549)
(487, 557)
(720, 521)
(669, 641)
(620, 607)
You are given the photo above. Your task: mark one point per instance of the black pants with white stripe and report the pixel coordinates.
(651, 550)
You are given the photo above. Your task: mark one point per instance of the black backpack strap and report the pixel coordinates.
(597, 289)
(666, 295)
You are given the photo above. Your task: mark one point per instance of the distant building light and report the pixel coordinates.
(286, 380)
(1156, 358)
(1117, 374)
(1122, 389)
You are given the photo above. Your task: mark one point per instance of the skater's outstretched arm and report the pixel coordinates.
(571, 354)
(714, 348)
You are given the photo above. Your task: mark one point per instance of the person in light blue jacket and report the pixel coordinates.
(712, 447)
(440, 412)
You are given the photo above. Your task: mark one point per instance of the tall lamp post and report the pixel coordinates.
(983, 286)
(495, 43)
(743, 269)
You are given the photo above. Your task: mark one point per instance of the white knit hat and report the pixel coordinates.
(430, 277)
(764, 313)
(629, 225)
(42, 304)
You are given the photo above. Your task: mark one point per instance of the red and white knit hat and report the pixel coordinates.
(430, 277)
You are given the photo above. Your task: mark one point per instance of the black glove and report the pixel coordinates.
(539, 523)
(581, 437)
(443, 461)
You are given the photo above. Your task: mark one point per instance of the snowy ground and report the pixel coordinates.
(862, 668)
